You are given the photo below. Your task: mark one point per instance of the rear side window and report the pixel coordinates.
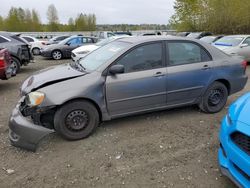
(28, 39)
(2, 40)
(181, 53)
(87, 40)
(143, 58)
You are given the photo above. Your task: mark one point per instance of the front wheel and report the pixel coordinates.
(76, 120)
(215, 98)
(57, 55)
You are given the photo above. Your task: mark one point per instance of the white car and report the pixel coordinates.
(36, 45)
(82, 51)
(235, 45)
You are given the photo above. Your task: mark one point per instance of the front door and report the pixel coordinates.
(189, 72)
(71, 45)
(143, 84)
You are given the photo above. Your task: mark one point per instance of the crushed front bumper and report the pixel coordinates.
(24, 133)
(234, 162)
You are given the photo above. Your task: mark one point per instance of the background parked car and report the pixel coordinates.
(63, 49)
(82, 51)
(151, 33)
(6, 66)
(57, 39)
(105, 34)
(182, 34)
(235, 45)
(36, 45)
(198, 35)
(123, 33)
(211, 39)
(18, 49)
(234, 152)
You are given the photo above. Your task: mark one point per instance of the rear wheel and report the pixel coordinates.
(76, 120)
(57, 55)
(16, 65)
(215, 98)
(36, 51)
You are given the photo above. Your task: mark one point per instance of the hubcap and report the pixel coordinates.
(215, 97)
(14, 67)
(57, 55)
(77, 120)
(36, 51)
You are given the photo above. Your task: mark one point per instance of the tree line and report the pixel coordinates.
(26, 20)
(217, 16)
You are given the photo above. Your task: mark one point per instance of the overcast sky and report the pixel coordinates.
(107, 11)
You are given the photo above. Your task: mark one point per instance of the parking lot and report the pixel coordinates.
(173, 148)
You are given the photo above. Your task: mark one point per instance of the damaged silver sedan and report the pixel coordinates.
(125, 77)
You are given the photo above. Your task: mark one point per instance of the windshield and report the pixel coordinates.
(102, 55)
(64, 41)
(208, 39)
(229, 41)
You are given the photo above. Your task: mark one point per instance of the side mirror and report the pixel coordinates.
(116, 69)
(244, 45)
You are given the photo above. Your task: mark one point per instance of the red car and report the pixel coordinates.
(6, 67)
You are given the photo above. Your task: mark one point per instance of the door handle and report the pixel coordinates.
(206, 67)
(159, 74)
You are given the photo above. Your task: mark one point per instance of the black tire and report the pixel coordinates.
(76, 120)
(36, 51)
(215, 98)
(16, 65)
(57, 55)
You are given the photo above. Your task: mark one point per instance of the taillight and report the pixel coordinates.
(244, 64)
(2, 63)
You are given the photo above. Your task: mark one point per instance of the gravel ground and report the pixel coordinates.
(173, 148)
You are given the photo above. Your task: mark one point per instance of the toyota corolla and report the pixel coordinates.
(125, 77)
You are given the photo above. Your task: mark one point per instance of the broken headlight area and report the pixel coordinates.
(43, 116)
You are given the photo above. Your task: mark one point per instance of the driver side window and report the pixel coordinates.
(143, 58)
(74, 42)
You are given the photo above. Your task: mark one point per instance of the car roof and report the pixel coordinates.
(142, 39)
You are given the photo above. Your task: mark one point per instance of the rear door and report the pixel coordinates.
(143, 84)
(189, 72)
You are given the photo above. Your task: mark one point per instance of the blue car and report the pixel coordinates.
(234, 152)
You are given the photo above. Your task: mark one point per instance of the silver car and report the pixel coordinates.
(125, 77)
(235, 45)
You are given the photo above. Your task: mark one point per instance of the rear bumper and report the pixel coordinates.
(238, 84)
(24, 133)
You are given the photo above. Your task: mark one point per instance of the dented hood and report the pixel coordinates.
(49, 76)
